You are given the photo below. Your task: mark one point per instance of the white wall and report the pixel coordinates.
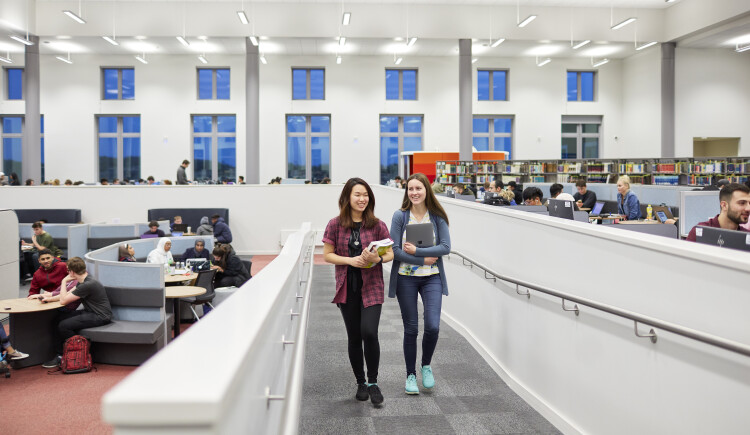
(641, 107)
(712, 89)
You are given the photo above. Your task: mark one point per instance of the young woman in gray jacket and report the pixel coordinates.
(419, 271)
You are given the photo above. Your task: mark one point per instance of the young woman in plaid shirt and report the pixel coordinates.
(359, 289)
(419, 271)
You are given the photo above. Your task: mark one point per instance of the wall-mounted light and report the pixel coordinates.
(622, 24)
(497, 42)
(24, 41)
(581, 44)
(346, 19)
(646, 45)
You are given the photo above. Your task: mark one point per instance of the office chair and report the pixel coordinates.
(206, 280)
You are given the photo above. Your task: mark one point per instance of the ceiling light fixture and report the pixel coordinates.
(497, 42)
(263, 59)
(543, 62)
(183, 41)
(6, 59)
(622, 24)
(399, 60)
(669, 1)
(581, 44)
(243, 17)
(338, 60)
(21, 40)
(254, 40)
(346, 19)
(412, 41)
(72, 15)
(526, 21)
(474, 60)
(110, 40)
(741, 49)
(600, 63)
(202, 58)
(142, 58)
(68, 61)
(646, 45)
(342, 41)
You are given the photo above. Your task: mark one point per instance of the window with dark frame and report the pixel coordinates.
(118, 83)
(400, 84)
(308, 83)
(581, 136)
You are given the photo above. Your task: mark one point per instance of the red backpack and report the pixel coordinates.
(76, 356)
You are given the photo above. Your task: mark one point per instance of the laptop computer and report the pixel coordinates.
(597, 210)
(420, 235)
(662, 213)
(180, 228)
(198, 264)
(561, 208)
(723, 238)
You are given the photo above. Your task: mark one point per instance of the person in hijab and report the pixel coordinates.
(161, 254)
(126, 253)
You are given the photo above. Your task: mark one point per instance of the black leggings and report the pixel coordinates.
(70, 322)
(362, 326)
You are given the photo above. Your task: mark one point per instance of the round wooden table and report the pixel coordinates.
(171, 279)
(181, 291)
(31, 324)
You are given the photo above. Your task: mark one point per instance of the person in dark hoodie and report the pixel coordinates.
(49, 275)
(222, 233)
(229, 268)
(205, 228)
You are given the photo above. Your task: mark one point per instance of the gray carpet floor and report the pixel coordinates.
(469, 397)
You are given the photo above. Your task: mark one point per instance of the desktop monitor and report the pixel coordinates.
(723, 238)
(561, 208)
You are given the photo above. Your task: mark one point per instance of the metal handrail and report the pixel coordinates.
(703, 337)
(292, 403)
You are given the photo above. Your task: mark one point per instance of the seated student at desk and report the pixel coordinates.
(41, 240)
(734, 201)
(584, 198)
(229, 268)
(49, 275)
(153, 230)
(513, 187)
(177, 221)
(460, 189)
(556, 192)
(126, 253)
(205, 228)
(161, 254)
(199, 251)
(96, 308)
(222, 233)
(532, 196)
(627, 203)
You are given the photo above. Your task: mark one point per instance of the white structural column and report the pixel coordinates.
(667, 99)
(252, 113)
(31, 153)
(464, 99)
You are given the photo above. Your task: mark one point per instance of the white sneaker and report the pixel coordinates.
(17, 354)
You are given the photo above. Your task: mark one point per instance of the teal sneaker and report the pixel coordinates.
(428, 380)
(411, 385)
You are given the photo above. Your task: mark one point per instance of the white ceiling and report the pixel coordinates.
(310, 27)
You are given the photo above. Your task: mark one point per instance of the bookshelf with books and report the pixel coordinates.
(661, 172)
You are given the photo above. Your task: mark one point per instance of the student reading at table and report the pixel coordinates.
(161, 254)
(627, 203)
(734, 200)
(96, 308)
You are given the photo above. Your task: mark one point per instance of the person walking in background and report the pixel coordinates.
(419, 271)
(359, 280)
(181, 174)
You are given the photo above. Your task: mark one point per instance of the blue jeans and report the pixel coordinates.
(430, 288)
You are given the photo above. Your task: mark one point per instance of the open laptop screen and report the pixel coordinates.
(597, 208)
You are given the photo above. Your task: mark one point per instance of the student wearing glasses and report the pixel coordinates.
(359, 280)
(418, 272)
(532, 196)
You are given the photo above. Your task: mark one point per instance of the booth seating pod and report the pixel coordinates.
(52, 216)
(190, 216)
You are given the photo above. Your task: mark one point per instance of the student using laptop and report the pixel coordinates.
(359, 289)
(734, 200)
(532, 196)
(153, 230)
(627, 203)
(419, 272)
(556, 192)
(584, 198)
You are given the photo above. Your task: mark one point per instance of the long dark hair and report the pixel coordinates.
(345, 209)
(222, 251)
(433, 206)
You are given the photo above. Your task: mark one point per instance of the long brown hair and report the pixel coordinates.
(345, 209)
(433, 206)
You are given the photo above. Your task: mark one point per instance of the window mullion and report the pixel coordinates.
(213, 84)
(490, 81)
(400, 84)
(214, 148)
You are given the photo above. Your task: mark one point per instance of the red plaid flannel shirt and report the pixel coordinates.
(373, 289)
